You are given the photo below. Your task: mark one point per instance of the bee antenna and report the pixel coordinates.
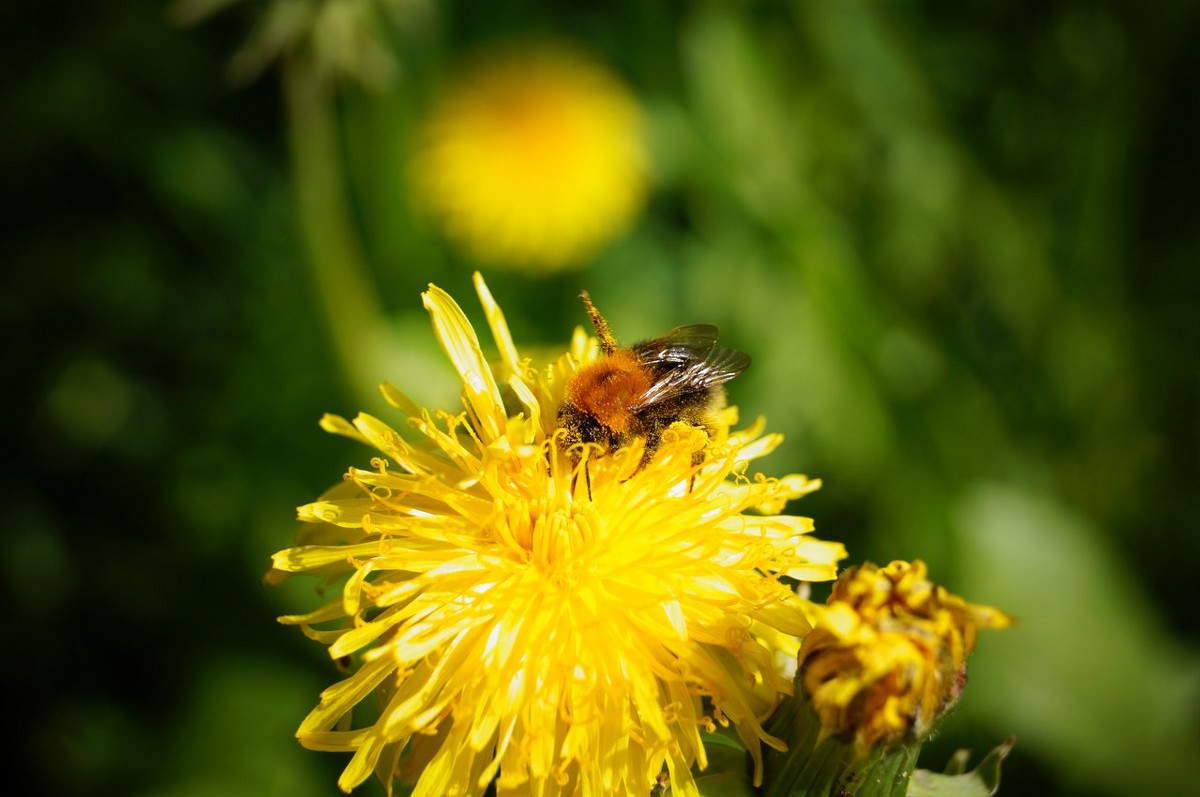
(607, 342)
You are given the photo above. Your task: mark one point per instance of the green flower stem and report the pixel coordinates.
(345, 292)
(816, 767)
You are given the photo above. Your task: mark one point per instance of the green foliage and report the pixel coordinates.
(956, 781)
(958, 242)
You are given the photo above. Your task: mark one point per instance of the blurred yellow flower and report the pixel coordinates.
(519, 627)
(533, 158)
(888, 653)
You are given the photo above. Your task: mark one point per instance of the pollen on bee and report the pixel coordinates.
(607, 388)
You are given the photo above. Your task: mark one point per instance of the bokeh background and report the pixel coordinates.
(959, 240)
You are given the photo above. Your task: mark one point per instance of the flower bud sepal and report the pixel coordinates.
(820, 764)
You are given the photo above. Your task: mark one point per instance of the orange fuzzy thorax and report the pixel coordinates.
(608, 387)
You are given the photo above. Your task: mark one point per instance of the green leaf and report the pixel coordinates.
(1099, 643)
(724, 739)
(728, 772)
(822, 767)
(983, 781)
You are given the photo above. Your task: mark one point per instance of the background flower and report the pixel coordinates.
(533, 157)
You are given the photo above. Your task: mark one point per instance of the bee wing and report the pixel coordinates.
(696, 337)
(687, 359)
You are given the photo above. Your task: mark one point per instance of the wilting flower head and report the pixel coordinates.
(888, 654)
(344, 40)
(563, 625)
(533, 158)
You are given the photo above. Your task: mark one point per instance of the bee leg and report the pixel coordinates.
(652, 442)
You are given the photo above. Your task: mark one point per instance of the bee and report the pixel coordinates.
(640, 391)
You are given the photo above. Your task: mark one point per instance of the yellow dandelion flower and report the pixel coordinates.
(533, 158)
(888, 654)
(520, 628)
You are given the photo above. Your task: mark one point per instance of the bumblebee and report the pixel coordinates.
(639, 392)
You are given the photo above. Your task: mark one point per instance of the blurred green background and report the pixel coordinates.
(959, 240)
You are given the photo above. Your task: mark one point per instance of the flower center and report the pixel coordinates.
(557, 537)
(537, 128)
